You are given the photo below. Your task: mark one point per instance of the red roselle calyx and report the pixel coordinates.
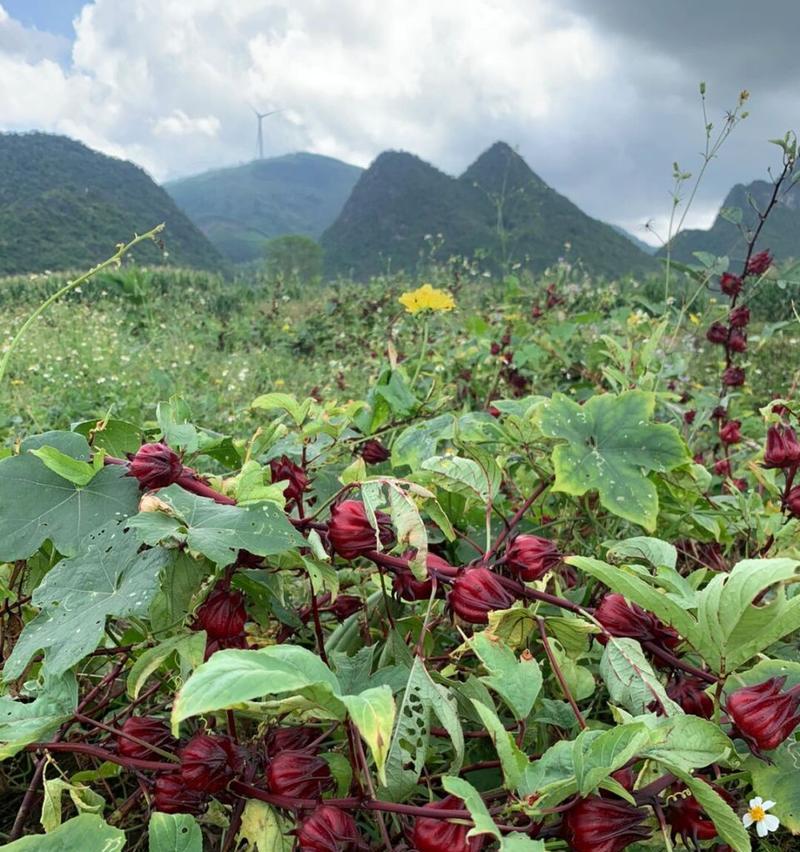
(409, 588)
(222, 615)
(717, 333)
(722, 467)
(624, 618)
(783, 448)
(373, 452)
(759, 263)
(733, 377)
(739, 317)
(150, 730)
(476, 593)
(689, 693)
(792, 502)
(290, 739)
(687, 819)
(439, 835)
(530, 557)
(730, 284)
(603, 825)
(350, 532)
(730, 433)
(299, 774)
(737, 342)
(764, 715)
(155, 466)
(172, 796)
(297, 481)
(328, 829)
(209, 762)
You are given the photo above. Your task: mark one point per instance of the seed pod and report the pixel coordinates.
(222, 615)
(297, 481)
(374, 452)
(783, 448)
(624, 618)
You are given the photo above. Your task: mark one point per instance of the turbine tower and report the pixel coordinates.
(261, 116)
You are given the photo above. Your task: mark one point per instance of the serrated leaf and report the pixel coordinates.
(218, 531)
(79, 473)
(174, 833)
(611, 445)
(484, 824)
(83, 797)
(190, 649)
(653, 550)
(37, 504)
(630, 678)
(87, 832)
(516, 681)
(513, 761)
(595, 755)
(688, 741)
(107, 577)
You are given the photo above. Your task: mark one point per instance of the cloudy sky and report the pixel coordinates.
(600, 96)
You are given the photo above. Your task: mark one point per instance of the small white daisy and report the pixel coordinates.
(757, 814)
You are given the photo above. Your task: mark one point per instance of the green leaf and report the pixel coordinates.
(285, 402)
(233, 677)
(516, 681)
(107, 577)
(595, 755)
(420, 441)
(37, 504)
(190, 649)
(513, 761)
(465, 476)
(173, 419)
(630, 678)
(517, 842)
(83, 797)
(611, 445)
(69, 443)
(373, 712)
(688, 742)
(87, 833)
(116, 437)
(23, 722)
(77, 472)
(263, 829)
(484, 824)
(218, 531)
(177, 587)
(779, 781)
(174, 833)
(653, 550)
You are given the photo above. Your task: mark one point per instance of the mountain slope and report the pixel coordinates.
(241, 207)
(781, 233)
(65, 206)
(498, 208)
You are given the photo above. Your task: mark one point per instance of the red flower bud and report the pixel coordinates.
(209, 762)
(730, 433)
(722, 467)
(409, 588)
(737, 342)
(733, 377)
(783, 448)
(155, 466)
(689, 416)
(373, 452)
(150, 730)
(290, 739)
(222, 615)
(351, 533)
(531, 557)
(624, 618)
(476, 593)
(717, 333)
(328, 829)
(214, 645)
(759, 263)
(284, 469)
(495, 348)
(739, 317)
(536, 312)
(439, 835)
(344, 606)
(494, 411)
(689, 693)
(719, 413)
(793, 501)
(603, 825)
(172, 796)
(299, 774)
(763, 715)
(687, 818)
(730, 284)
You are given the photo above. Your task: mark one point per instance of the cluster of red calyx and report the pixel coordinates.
(477, 592)
(297, 481)
(783, 453)
(622, 618)
(155, 466)
(223, 616)
(687, 819)
(764, 715)
(597, 824)
(351, 534)
(328, 829)
(440, 835)
(518, 383)
(530, 557)
(408, 588)
(374, 452)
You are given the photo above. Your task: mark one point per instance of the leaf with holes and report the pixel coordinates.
(107, 577)
(611, 446)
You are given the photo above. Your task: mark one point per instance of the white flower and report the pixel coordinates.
(758, 814)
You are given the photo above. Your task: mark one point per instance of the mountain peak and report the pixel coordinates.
(501, 169)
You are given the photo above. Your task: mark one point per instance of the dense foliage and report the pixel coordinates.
(63, 206)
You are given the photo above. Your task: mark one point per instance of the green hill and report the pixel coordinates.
(401, 202)
(781, 234)
(241, 207)
(65, 206)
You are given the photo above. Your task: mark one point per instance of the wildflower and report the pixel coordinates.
(476, 593)
(439, 835)
(299, 774)
(530, 557)
(763, 715)
(155, 466)
(757, 814)
(604, 825)
(783, 448)
(759, 263)
(350, 532)
(427, 298)
(328, 829)
(731, 285)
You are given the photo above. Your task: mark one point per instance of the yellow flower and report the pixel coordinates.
(279, 383)
(427, 298)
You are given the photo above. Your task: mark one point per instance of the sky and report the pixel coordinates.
(599, 96)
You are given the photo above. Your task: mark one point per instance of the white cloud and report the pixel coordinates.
(171, 84)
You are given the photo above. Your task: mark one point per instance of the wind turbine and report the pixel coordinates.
(261, 116)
